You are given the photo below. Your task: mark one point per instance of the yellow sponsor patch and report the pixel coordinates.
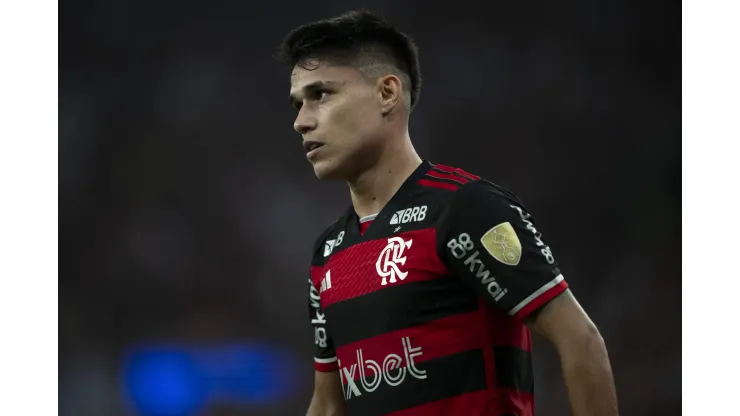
(502, 243)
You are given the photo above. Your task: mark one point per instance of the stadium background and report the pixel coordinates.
(188, 210)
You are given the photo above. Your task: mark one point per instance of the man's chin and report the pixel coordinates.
(325, 170)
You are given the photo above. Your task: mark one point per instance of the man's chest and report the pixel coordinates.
(372, 266)
(388, 284)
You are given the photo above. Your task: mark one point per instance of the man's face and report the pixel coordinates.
(339, 117)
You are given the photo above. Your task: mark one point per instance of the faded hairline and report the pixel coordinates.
(372, 60)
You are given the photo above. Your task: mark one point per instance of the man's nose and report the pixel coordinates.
(304, 123)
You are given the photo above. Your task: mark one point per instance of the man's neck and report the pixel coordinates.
(374, 187)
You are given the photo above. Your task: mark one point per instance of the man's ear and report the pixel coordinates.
(391, 92)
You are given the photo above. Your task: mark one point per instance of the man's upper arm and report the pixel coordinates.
(328, 396)
(563, 322)
(490, 241)
(325, 357)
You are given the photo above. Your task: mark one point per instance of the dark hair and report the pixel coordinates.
(358, 38)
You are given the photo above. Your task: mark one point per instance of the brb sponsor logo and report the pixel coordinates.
(330, 244)
(319, 319)
(461, 247)
(393, 370)
(390, 258)
(414, 214)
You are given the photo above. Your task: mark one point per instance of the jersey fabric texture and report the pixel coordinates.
(422, 312)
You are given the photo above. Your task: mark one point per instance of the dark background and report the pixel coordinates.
(187, 208)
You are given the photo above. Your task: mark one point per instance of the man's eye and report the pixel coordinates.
(320, 95)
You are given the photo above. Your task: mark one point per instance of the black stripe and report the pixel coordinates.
(513, 369)
(445, 180)
(398, 307)
(446, 377)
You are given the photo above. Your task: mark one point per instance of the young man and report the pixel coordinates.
(423, 293)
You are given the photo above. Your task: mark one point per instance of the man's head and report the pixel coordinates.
(354, 81)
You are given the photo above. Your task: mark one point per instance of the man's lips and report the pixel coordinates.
(311, 145)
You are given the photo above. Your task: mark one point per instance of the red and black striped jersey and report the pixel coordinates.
(422, 312)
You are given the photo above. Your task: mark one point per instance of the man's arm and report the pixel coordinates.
(328, 397)
(583, 355)
(491, 241)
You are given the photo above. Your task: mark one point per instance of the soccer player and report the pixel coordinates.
(423, 292)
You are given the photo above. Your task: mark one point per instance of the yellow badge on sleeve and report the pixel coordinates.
(502, 243)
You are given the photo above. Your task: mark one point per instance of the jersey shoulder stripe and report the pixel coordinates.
(458, 171)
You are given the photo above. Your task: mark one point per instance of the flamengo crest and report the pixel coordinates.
(390, 258)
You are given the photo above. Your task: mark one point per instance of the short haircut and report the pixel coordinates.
(360, 39)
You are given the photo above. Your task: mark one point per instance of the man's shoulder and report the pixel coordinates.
(327, 239)
(472, 187)
(455, 172)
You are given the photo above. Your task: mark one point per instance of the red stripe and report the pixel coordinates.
(435, 184)
(541, 300)
(325, 367)
(459, 171)
(436, 339)
(354, 269)
(364, 226)
(484, 402)
(450, 176)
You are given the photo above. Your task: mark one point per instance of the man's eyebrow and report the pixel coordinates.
(314, 86)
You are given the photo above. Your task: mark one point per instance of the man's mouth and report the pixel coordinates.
(309, 146)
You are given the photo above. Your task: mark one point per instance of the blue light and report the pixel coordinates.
(179, 380)
(259, 374)
(164, 383)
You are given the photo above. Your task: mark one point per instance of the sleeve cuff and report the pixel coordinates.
(540, 297)
(325, 365)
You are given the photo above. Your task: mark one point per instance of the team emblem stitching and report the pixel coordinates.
(390, 258)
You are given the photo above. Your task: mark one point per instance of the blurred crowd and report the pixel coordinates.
(188, 211)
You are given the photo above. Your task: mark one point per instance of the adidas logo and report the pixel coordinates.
(414, 214)
(326, 282)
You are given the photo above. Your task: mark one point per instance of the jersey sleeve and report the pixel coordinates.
(489, 240)
(325, 358)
